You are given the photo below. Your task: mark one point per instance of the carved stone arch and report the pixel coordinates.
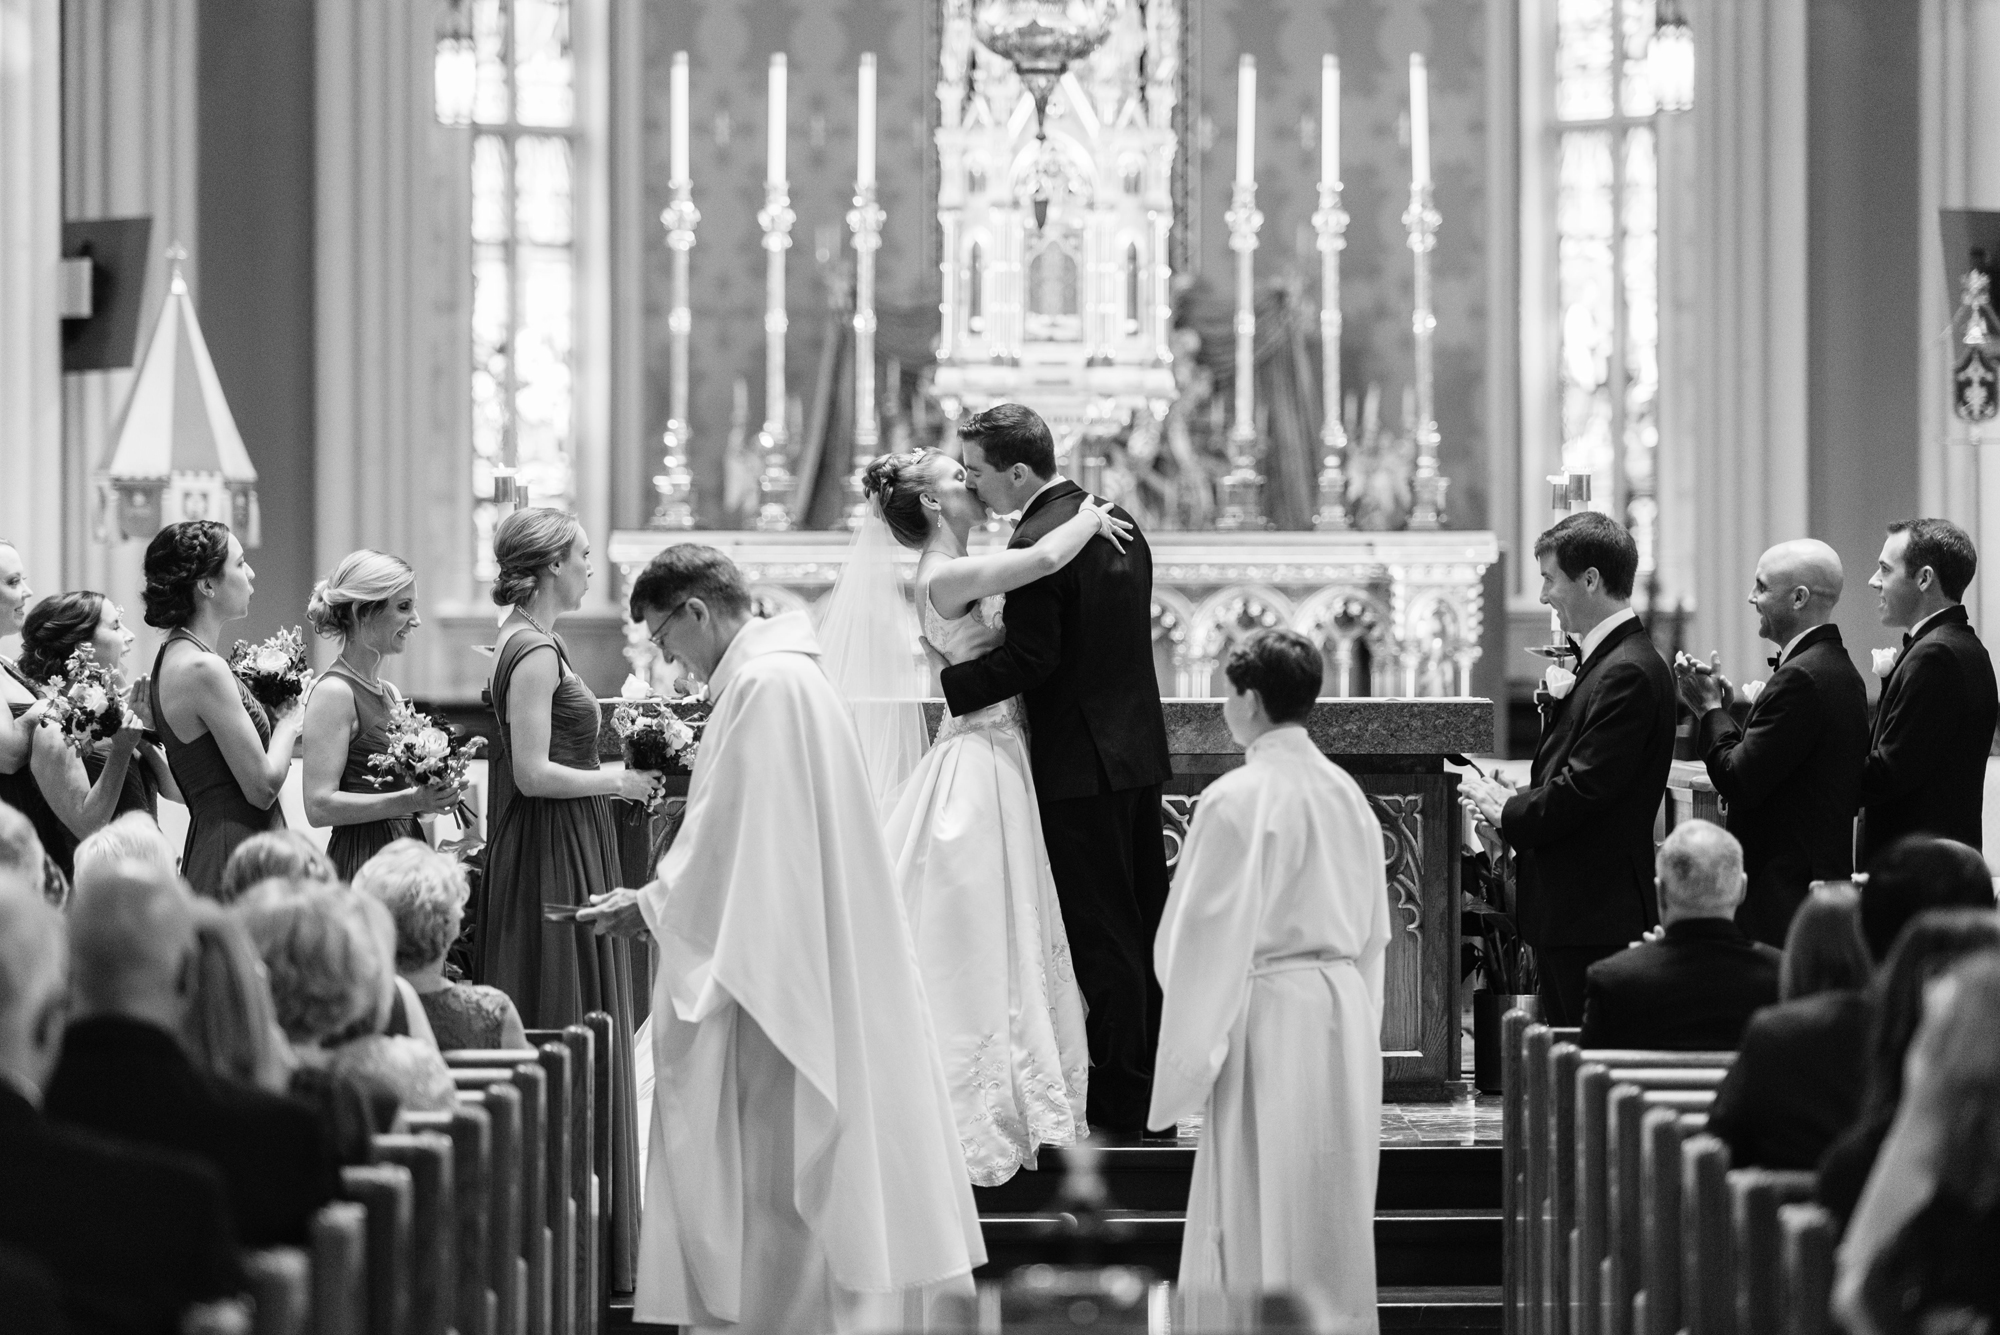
(1173, 621)
(1342, 619)
(1226, 616)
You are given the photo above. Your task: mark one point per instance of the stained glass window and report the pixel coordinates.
(524, 262)
(1607, 257)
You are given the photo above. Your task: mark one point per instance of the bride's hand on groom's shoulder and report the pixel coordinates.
(1114, 530)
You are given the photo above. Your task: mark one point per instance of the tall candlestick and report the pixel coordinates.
(1330, 222)
(674, 484)
(864, 125)
(1329, 120)
(777, 485)
(1246, 120)
(677, 116)
(774, 140)
(1427, 488)
(1420, 122)
(1243, 485)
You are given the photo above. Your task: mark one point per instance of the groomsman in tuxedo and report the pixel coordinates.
(1926, 768)
(1791, 774)
(1583, 830)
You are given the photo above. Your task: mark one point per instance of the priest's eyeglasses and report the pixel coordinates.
(666, 621)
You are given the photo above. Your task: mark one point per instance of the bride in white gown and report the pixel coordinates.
(966, 836)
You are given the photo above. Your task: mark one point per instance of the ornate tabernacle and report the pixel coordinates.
(1396, 750)
(1396, 613)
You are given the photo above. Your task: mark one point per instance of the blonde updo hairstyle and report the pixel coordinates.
(359, 587)
(525, 545)
(899, 483)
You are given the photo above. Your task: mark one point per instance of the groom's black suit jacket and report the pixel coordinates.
(1926, 768)
(1583, 830)
(1791, 776)
(1079, 651)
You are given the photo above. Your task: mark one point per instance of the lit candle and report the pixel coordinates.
(1329, 120)
(1246, 121)
(864, 132)
(774, 154)
(1420, 121)
(677, 114)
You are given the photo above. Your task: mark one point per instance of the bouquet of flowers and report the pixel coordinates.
(275, 672)
(418, 752)
(654, 736)
(84, 702)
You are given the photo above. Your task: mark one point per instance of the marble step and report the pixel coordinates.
(1450, 1246)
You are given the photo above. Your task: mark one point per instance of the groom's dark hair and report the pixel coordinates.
(1283, 667)
(1009, 434)
(689, 570)
(1588, 540)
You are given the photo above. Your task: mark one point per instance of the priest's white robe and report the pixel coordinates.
(1270, 955)
(803, 1173)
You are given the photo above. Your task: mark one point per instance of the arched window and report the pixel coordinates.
(975, 290)
(1132, 287)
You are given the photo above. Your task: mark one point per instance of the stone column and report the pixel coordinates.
(31, 501)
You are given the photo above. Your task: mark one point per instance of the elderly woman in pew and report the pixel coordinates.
(1797, 1079)
(1930, 946)
(425, 892)
(1923, 1252)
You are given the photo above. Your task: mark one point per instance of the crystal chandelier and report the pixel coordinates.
(1043, 38)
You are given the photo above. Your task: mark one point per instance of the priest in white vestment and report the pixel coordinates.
(804, 1173)
(1270, 956)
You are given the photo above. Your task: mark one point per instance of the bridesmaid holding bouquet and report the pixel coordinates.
(228, 754)
(369, 604)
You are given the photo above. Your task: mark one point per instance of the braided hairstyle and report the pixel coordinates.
(525, 545)
(57, 628)
(899, 483)
(179, 557)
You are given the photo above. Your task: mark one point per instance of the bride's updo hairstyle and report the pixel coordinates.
(900, 482)
(359, 587)
(179, 557)
(525, 545)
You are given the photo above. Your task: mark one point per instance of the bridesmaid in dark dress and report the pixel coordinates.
(554, 842)
(46, 781)
(57, 628)
(369, 604)
(227, 754)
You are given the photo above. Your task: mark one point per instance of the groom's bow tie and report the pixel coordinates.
(1908, 640)
(1773, 660)
(1575, 649)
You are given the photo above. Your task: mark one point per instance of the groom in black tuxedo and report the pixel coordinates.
(1583, 829)
(1079, 651)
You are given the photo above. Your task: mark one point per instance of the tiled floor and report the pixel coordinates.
(1473, 1121)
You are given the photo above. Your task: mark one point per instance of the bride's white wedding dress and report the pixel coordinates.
(974, 874)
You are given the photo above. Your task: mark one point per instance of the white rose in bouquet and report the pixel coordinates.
(94, 700)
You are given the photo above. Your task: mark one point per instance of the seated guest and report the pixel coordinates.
(124, 1073)
(1695, 988)
(1916, 873)
(133, 837)
(1796, 1082)
(402, 1010)
(132, 1236)
(1932, 943)
(230, 1028)
(283, 853)
(1920, 1254)
(21, 853)
(425, 892)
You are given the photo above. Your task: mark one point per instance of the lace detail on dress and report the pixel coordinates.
(961, 639)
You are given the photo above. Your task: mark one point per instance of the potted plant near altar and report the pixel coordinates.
(1494, 955)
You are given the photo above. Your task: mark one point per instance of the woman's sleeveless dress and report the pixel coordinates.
(140, 792)
(974, 873)
(351, 845)
(219, 816)
(20, 791)
(545, 851)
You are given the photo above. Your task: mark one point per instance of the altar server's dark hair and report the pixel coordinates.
(1009, 434)
(1591, 540)
(1283, 667)
(1945, 548)
(689, 570)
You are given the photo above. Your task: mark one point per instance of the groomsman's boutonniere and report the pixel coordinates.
(1558, 681)
(1885, 660)
(1751, 690)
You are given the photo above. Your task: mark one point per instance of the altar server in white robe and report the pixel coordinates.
(804, 1173)
(1270, 956)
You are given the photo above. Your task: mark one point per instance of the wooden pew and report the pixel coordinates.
(1537, 1042)
(530, 1082)
(470, 1130)
(582, 1172)
(280, 1284)
(1755, 1196)
(384, 1190)
(1656, 1307)
(1708, 1237)
(561, 1086)
(1807, 1285)
(1597, 1074)
(1513, 1187)
(433, 1245)
(604, 1082)
(506, 1261)
(1622, 1273)
(618, 1152)
(339, 1240)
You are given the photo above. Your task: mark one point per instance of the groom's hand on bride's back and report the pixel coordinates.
(938, 661)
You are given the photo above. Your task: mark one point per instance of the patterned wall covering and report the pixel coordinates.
(730, 40)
